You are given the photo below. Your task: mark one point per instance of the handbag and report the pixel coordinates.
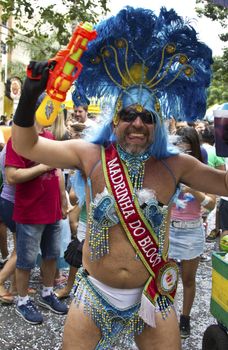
(73, 253)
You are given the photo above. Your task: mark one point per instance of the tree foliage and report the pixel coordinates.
(17, 69)
(218, 91)
(215, 12)
(39, 22)
(47, 28)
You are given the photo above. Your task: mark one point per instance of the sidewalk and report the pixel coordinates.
(16, 334)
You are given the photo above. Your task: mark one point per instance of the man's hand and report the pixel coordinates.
(34, 85)
(37, 77)
(45, 168)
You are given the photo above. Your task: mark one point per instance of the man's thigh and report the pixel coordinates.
(80, 332)
(165, 336)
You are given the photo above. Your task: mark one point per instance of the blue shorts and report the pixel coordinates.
(31, 238)
(6, 210)
(186, 243)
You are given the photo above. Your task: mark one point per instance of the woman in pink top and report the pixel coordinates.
(187, 236)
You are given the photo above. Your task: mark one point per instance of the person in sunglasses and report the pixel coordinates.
(126, 286)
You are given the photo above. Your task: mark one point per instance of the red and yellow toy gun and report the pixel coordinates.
(67, 68)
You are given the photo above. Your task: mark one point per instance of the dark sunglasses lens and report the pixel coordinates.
(147, 118)
(130, 116)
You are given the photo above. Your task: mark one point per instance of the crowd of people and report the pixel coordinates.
(24, 207)
(137, 202)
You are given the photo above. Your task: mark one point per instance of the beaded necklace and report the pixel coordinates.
(135, 165)
(101, 215)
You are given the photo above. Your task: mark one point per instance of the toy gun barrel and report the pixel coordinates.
(66, 70)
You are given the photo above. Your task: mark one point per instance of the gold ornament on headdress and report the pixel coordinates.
(137, 74)
(116, 115)
(138, 108)
(115, 119)
(157, 106)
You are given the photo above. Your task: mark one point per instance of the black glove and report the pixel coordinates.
(31, 90)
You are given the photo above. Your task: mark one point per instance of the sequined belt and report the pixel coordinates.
(186, 224)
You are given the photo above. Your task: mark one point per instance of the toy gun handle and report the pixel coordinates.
(66, 69)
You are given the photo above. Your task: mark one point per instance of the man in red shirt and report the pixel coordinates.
(39, 202)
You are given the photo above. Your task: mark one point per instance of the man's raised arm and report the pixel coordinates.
(25, 137)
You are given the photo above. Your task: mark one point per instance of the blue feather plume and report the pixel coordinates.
(78, 96)
(147, 35)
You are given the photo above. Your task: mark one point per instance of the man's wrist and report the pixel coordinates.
(25, 112)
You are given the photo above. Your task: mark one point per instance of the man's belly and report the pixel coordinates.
(121, 268)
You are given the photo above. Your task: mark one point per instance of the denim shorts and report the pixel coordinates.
(6, 210)
(186, 243)
(33, 238)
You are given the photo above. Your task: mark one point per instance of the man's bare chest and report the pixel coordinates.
(160, 181)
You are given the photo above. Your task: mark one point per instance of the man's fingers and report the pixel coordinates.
(37, 68)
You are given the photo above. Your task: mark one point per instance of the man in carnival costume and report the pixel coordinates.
(153, 67)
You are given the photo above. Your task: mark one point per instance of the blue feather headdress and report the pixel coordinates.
(155, 61)
(78, 96)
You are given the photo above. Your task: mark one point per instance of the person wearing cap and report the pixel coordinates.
(147, 70)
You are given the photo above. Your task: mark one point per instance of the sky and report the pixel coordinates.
(207, 30)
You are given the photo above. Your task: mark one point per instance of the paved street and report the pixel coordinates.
(15, 334)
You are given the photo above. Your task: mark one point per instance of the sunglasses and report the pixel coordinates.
(130, 116)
